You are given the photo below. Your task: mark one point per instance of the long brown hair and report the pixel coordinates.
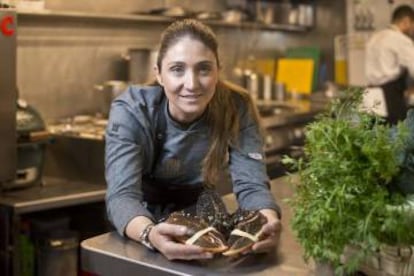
(224, 121)
(222, 111)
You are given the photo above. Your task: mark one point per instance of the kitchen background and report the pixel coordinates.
(60, 59)
(70, 47)
(363, 18)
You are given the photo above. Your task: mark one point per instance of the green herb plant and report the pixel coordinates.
(350, 159)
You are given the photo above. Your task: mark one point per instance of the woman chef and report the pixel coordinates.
(164, 141)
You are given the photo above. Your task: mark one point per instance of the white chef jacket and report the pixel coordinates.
(388, 52)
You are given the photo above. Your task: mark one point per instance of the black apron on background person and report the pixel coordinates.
(394, 98)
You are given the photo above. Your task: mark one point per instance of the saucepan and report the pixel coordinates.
(140, 65)
(107, 92)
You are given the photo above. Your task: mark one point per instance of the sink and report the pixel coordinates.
(275, 109)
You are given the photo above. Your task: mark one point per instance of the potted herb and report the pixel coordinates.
(349, 185)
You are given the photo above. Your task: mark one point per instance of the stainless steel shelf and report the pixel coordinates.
(54, 193)
(48, 14)
(45, 14)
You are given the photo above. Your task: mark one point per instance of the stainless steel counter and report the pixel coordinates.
(273, 114)
(54, 193)
(110, 254)
(294, 111)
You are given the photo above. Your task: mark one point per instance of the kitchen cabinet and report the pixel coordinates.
(119, 18)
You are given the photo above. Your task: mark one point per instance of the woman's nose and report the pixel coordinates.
(191, 81)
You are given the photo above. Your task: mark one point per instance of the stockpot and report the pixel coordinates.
(107, 92)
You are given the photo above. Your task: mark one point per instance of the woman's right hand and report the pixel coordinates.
(163, 237)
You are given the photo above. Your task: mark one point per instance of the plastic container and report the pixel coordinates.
(57, 254)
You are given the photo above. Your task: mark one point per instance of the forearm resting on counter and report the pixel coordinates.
(136, 226)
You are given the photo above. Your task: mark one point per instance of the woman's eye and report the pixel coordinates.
(177, 69)
(205, 70)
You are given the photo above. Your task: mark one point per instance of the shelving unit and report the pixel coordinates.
(55, 195)
(49, 14)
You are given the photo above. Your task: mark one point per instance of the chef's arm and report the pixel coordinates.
(270, 213)
(124, 168)
(135, 227)
(248, 169)
(406, 58)
(123, 173)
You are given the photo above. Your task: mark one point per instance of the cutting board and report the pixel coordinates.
(296, 74)
(266, 66)
(310, 52)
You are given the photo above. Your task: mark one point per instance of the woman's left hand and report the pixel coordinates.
(270, 236)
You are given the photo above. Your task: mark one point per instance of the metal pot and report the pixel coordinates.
(234, 15)
(140, 65)
(254, 84)
(107, 92)
(306, 15)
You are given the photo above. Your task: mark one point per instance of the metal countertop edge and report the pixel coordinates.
(59, 201)
(117, 256)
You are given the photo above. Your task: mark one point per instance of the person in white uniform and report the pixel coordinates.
(390, 60)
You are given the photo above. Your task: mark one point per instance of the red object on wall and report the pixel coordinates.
(6, 26)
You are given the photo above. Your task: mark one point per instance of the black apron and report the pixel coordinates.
(394, 98)
(163, 199)
(159, 198)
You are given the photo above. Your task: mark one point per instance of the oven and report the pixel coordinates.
(284, 135)
(281, 141)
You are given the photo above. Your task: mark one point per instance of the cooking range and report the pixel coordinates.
(284, 125)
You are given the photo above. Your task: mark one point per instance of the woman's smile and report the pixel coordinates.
(191, 97)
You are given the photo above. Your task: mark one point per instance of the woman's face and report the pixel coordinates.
(189, 74)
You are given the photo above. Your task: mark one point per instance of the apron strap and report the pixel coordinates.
(394, 98)
(158, 135)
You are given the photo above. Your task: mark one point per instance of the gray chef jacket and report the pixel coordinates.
(130, 153)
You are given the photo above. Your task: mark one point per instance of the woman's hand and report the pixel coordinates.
(162, 237)
(270, 236)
